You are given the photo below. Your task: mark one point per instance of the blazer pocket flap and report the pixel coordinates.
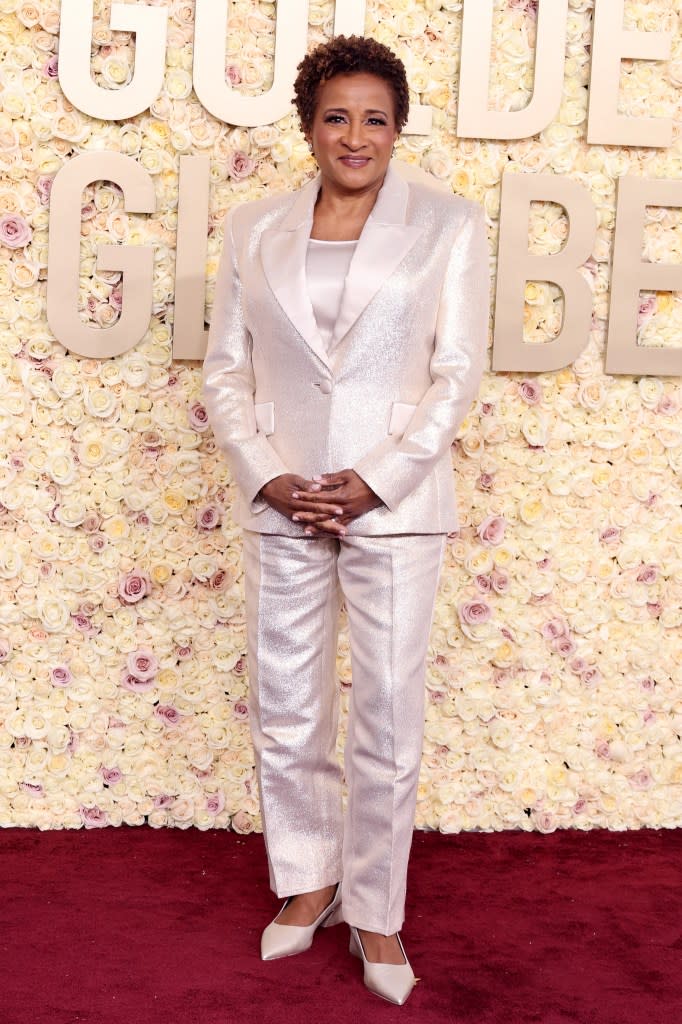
(265, 417)
(401, 414)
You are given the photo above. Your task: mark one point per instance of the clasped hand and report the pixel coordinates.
(324, 505)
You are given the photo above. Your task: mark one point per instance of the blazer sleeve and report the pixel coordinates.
(229, 384)
(396, 466)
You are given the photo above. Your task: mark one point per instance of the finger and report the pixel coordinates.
(330, 526)
(312, 517)
(304, 501)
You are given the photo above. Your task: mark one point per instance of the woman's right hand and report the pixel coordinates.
(279, 495)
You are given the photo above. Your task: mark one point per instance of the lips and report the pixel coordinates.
(354, 161)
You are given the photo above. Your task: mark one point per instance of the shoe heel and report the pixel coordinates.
(354, 946)
(336, 917)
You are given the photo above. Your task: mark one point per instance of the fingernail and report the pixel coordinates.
(309, 532)
(295, 495)
(338, 511)
(294, 519)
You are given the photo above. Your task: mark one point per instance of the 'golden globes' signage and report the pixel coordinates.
(605, 126)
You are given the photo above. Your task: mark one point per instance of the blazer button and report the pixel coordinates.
(326, 387)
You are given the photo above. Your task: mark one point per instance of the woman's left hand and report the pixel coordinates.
(347, 490)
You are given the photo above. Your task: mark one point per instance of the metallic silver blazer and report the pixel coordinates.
(401, 371)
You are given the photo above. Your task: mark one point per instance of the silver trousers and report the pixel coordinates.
(294, 587)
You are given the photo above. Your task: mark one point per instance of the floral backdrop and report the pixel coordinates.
(554, 695)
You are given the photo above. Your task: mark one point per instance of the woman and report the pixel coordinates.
(347, 343)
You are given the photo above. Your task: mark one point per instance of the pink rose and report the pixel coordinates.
(143, 664)
(641, 780)
(44, 187)
(208, 517)
(668, 405)
(647, 574)
(5, 648)
(130, 682)
(239, 165)
(97, 542)
(242, 823)
(133, 586)
(91, 523)
(530, 391)
(648, 684)
(591, 676)
(491, 530)
(485, 482)
(216, 802)
(83, 625)
(609, 535)
(183, 653)
(647, 308)
(61, 675)
(50, 68)
(198, 417)
(554, 628)
(163, 800)
(474, 613)
(484, 584)
(234, 75)
(93, 817)
(500, 581)
(170, 715)
(602, 749)
(111, 776)
(15, 231)
(218, 580)
(564, 646)
(240, 709)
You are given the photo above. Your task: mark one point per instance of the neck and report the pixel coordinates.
(340, 215)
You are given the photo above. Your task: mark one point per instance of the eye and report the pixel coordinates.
(334, 119)
(377, 121)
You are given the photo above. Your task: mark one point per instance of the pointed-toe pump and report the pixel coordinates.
(280, 940)
(390, 981)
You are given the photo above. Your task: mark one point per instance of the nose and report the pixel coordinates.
(354, 136)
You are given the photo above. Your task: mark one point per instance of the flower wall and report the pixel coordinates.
(554, 694)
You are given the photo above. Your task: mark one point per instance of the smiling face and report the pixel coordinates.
(353, 132)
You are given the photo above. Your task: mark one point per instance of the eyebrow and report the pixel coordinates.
(344, 110)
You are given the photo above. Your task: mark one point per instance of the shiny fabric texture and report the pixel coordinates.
(326, 268)
(294, 587)
(411, 335)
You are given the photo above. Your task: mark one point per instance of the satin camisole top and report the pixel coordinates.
(327, 265)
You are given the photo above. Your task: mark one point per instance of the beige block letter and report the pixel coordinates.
(210, 85)
(611, 43)
(516, 266)
(474, 120)
(631, 274)
(136, 262)
(189, 333)
(75, 41)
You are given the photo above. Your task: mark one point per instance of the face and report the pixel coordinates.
(353, 132)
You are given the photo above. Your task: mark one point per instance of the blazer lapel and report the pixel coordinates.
(385, 241)
(283, 254)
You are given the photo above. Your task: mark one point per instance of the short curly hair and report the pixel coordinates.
(345, 55)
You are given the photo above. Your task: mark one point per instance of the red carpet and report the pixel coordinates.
(136, 926)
